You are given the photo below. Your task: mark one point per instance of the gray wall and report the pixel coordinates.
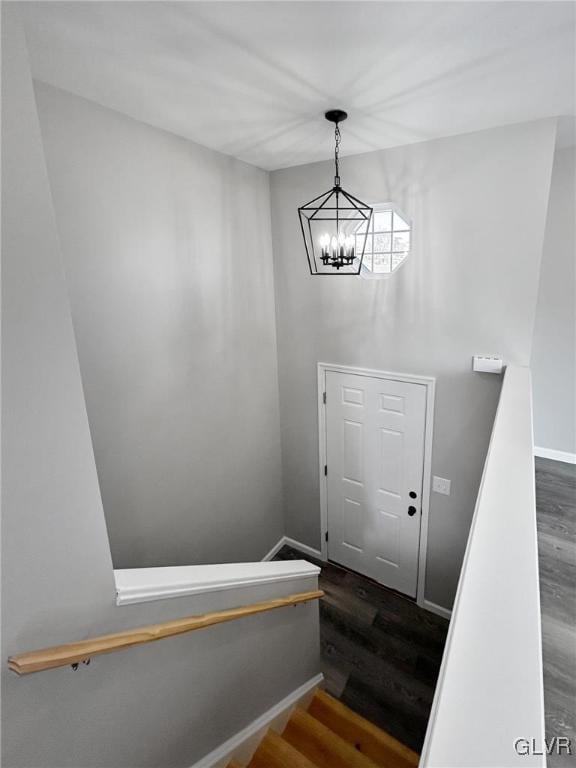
(554, 352)
(478, 205)
(165, 704)
(167, 251)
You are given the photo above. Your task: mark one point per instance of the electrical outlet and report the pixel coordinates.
(441, 485)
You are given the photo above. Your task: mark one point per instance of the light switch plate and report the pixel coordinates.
(441, 485)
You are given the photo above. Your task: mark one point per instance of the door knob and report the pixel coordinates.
(411, 511)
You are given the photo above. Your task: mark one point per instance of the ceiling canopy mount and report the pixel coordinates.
(336, 115)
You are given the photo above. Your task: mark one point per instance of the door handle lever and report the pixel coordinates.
(411, 511)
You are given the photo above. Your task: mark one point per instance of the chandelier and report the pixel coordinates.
(335, 224)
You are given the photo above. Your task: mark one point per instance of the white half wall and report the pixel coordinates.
(478, 206)
(490, 691)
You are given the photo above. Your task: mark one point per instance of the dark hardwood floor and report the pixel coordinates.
(556, 514)
(381, 653)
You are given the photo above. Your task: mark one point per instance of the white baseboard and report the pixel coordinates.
(287, 541)
(275, 549)
(439, 610)
(303, 548)
(242, 746)
(550, 453)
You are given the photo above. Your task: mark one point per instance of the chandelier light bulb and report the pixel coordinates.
(337, 250)
(325, 248)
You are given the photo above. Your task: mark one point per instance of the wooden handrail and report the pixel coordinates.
(74, 653)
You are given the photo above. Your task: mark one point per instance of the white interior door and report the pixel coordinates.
(375, 457)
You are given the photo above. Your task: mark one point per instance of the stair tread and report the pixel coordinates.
(365, 737)
(321, 745)
(275, 752)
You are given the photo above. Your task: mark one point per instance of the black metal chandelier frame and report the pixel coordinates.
(336, 206)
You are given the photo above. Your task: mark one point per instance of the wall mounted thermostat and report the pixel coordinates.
(487, 364)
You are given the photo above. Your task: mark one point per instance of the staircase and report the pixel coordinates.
(329, 735)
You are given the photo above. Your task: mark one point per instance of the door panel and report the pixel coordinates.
(353, 445)
(375, 454)
(389, 458)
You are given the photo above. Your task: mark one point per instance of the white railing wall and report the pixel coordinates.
(490, 689)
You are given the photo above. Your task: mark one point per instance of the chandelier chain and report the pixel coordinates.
(338, 139)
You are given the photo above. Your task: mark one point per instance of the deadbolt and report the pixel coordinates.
(413, 494)
(411, 511)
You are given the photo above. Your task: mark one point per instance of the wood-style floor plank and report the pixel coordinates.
(556, 516)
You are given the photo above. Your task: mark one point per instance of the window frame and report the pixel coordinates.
(367, 272)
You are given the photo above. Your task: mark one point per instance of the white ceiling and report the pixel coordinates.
(253, 79)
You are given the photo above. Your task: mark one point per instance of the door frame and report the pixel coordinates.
(430, 383)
